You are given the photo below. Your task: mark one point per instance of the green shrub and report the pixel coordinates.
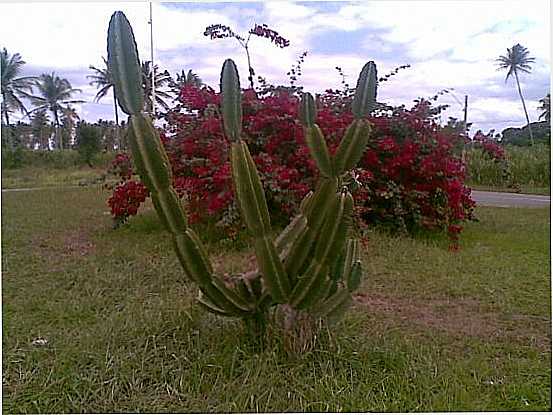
(524, 166)
(55, 159)
(88, 141)
(530, 165)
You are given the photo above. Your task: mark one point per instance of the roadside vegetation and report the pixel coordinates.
(525, 169)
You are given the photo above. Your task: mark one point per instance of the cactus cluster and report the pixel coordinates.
(314, 264)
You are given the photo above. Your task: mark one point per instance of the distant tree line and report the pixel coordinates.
(52, 122)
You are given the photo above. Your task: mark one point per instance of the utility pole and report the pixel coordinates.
(465, 115)
(150, 22)
(465, 133)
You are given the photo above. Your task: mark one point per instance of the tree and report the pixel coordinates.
(185, 79)
(69, 118)
(219, 31)
(22, 135)
(545, 108)
(14, 87)
(108, 136)
(54, 95)
(41, 129)
(88, 141)
(517, 60)
(161, 80)
(103, 80)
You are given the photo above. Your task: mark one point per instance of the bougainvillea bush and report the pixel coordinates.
(128, 194)
(409, 178)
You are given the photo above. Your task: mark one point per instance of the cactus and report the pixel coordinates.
(313, 265)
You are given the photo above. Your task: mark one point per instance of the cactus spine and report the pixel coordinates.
(312, 265)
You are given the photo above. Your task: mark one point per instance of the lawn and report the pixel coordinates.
(431, 330)
(32, 177)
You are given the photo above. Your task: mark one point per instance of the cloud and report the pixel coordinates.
(448, 43)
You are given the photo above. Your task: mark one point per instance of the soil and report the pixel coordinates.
(459, 317)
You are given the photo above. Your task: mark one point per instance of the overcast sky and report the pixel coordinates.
(449, 44)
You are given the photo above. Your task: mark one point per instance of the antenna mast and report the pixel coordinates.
(150, 22)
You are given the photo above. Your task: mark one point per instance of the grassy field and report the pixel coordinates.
(32, 177)
(431, 330)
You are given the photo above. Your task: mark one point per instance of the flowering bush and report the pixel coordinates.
(409, 177)
(126, 199)
(121, 166)
(489, 146)
(489, 163)
(127, 194)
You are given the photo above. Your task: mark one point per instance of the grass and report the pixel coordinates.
(431, 330)
(31, 177)
(529, 168)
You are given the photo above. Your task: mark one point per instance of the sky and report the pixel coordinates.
(448, 43)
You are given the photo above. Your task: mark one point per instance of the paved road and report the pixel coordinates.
(27, 189)
(480, 197)
(509, 199)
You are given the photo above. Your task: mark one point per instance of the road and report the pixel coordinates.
(509, 199)
(481, 198)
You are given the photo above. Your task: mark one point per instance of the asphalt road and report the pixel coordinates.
(509, 199)
(481, 198)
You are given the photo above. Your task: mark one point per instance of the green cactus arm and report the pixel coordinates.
(308, 286)
(330, 243)
(318, 149)
(231, 98)
(352, 146)
(334, 307)
(252, 204)
(351, 256)
(248, 188)
(352, 268)
(354, 277)
(272, 269)
(364, 99)
(333, 234)
(313, 135)
(290, 233)
(212, 308)
(154, 169)
(315, 210)
(294, 229)
(124, 64)
(356, 137)
(307, 110)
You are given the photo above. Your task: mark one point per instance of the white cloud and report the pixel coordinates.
(448, 43)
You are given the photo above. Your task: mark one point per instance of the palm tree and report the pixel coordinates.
(103, 80)
(545, 108)
(186, 78)
(14, 87)
(54, 95)
(41, 128)
(161, 80)
(517, 59)
(69, 119)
